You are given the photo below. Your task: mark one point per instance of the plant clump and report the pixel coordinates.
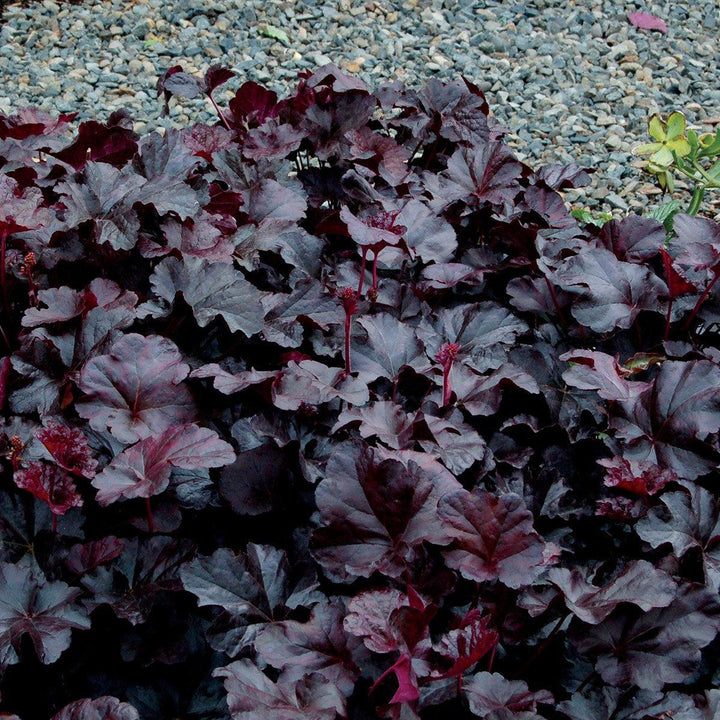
(248, 473)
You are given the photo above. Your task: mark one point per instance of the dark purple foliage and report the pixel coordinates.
(102, 708)
(252, 695)
(34, 609)
(492, 695)
(491, 537)
(332, 409)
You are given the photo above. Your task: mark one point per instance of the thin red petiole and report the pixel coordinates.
(219, 112)
(348, 321)
(702, 299)
(349, 303)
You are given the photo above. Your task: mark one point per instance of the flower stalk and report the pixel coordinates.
(446, 357)
(348, 297)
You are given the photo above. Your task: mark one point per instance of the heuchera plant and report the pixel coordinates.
(332, 409)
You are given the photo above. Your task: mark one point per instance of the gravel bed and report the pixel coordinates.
(572, 80)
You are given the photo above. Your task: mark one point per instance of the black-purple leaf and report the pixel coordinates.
(313, 383)
(457, 445)
(384, 420)
(593, 370)
(639, 583)
(319, 645)
(130, 583)
(211, 290)
(176, 81)
(483, 394)
(216, 76)
(478, 175)
(144, 469)
(269, 200)
(112, 143)
(84, 558)
(670, 423)
(273, 140)
(135, 390)
(106, 197)
(550, 207)
(610, 703)
(258, 481)
(610, 293)
(389, 620)
(49, 484)
(308, 300)
(61, 304)
(657, 647)
(697, 242)
(374, 512)
(165, 161)
(481, 330)
(43, 373)
(206, 140)
(562, 177)
(427, 235)
(252, 695)
(229, 383)
(45, 612)
(198, 237)
(253, 588)
(20, 208)
(443, 276)
(491, 695)
(633, 239)
(691, 520)
(381, 154)
(252, 104)
(451, 110)
(102, 708)
(491, 537)
(639, 477)
(388, 346)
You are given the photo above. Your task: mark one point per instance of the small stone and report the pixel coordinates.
(649, 189)
(320, 59)
(616, 201)
(354, 66)
(604, 120)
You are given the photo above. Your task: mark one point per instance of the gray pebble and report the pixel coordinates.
(575, 82)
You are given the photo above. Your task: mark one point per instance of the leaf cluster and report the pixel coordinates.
(334, 410)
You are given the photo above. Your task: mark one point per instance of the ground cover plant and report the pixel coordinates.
(334, 409)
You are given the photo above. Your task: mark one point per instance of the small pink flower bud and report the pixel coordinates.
(348, 297)
(447, 353)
